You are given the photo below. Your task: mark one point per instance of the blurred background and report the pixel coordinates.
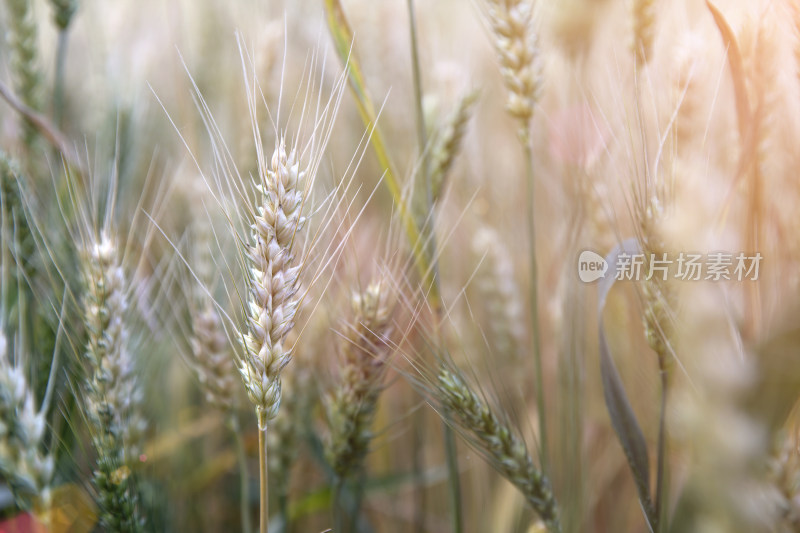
(672, 122)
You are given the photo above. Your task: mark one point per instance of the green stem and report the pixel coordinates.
(417, 472)
(453, 477)
(427, 228)
(263, 487)
(244, 490)
(338, 505)
(430, 236)
(58, 86)
(534, 298)
(661, 481)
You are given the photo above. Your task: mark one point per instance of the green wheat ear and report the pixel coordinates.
(112, 395)
(24, 58)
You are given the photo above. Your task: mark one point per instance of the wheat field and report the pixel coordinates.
(388, 266)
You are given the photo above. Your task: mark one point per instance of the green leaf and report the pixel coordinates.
(623, 419)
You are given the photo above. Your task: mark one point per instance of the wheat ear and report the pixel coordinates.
(492, 437)
(22, 430)
(113, 397)
(448, 143)
(273, 282)
(499, 292)
(352, 405)
(517, 47)
(24, 57)
(211, 357)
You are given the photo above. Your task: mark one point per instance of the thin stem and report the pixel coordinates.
(58, 87)
(244, 487)
(661, 481)
(338, 505)
(358, 497)
(453, 477)
(263, 488)
(533, 296)
(429, 235)
(421, 135)
(428, 228)
(416, 472)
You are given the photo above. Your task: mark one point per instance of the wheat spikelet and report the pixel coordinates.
(643, 18)
(273, 281)
(113, 396)
(517, 46)
(499, 292)
(352, 405)
(22, 431)
(448, 143)
(24, 56)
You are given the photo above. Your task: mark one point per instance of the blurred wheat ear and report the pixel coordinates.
(496, 440)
